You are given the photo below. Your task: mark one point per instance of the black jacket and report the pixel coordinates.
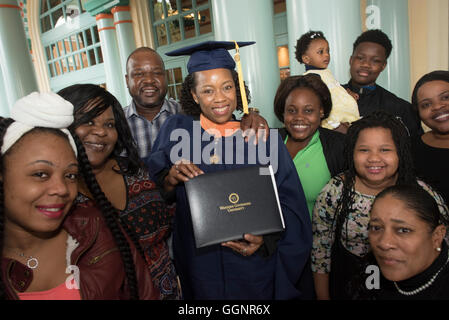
(333, 148)
(382, 99)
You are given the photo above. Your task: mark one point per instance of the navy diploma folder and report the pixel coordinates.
(225, 205)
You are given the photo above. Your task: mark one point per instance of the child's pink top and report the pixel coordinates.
(61, 292)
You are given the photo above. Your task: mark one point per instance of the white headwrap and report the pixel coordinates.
(45, 109)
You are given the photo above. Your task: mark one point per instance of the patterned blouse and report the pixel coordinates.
(149, 218)
(354, 238)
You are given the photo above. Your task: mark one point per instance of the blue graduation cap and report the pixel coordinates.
(209, 55)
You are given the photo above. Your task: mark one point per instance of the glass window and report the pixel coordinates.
(58, 17)
(283, 61)
(201, 2)
(157, 10)
(75, 52)
(205, 21)
(279, 6)
(174, 78)
(178, 20)
(172, 8)
(189, 26)
(46, 24)
(71, 42)
(161, 35)
(175, 31)
(186, 5)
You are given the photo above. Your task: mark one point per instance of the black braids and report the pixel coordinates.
(378, 119)
(4, 124)
(109, 215)
(2, 228)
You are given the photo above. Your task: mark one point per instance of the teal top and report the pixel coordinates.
(312, 169)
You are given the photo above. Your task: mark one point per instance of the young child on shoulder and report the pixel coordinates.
(312, 49)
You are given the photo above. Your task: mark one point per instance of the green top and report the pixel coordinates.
(312, 169)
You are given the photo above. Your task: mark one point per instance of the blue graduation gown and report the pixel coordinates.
(217, 272)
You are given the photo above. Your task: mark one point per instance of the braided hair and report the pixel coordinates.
(190, 107)
(4, 124)
(110, 217)
(89, 101)
(377, 119)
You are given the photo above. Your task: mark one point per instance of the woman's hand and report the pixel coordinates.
(181, 171)
(253, 123)
(247, 246)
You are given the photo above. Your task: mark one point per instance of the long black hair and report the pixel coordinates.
(190, 107)
(89, 101)
(102, 202)
(399, 133)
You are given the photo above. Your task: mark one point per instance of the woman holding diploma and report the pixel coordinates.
(206, 139)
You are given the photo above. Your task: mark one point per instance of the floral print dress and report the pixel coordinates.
(148, 218)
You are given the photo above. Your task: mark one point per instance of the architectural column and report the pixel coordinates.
(249, 20)
(4, 104)
(340, 22)
(111, 57)
(392, 18)
(18, 77)
(125, 38)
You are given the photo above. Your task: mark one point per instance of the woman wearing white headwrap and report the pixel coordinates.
(51, 249)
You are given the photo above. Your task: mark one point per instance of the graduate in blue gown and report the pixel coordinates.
(206, 139)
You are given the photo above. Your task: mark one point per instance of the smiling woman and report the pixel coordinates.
(257, 267)
(431, 150)
(378, 155)
(301, 103)
(42, 232)
(103, 130)
(406, 235)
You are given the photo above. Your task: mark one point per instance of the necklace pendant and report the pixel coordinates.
(32, 263)
(214, 159)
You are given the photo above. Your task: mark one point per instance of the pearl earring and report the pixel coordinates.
(438, 249)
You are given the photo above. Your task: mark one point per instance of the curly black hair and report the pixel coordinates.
(312, 81)
(82, 96)
(376, 36)
(377, 119)
(190, 107)
(302, 44)
(103, 204)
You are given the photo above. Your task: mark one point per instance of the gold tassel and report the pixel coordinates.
(241, 83)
